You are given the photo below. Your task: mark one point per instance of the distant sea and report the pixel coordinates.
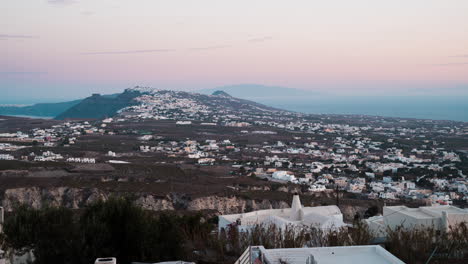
(426, 107)
(31, 116)
(421, 107)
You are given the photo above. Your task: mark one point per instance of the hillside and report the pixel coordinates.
(221, 93)
(179, 105)
(98, 106)
(43, 109)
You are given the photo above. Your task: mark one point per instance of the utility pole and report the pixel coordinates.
(337, 193)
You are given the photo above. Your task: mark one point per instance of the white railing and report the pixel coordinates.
(245, 258)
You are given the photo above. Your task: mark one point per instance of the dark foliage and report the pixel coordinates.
(120, 229)
(114, 228)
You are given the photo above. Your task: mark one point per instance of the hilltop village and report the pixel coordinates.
(370, 158)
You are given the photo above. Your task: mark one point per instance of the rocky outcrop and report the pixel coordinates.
(79, 197)
(60, 196)
(151, 202)
(233, 204)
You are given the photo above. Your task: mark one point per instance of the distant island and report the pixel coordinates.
(422, 107)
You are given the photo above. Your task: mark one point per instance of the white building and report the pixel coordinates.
(106, 261)
(183, 122)
(283, 175)
(439, 217)
(206, 161)
(324, 217)
(6, 157)
(319, 255)
(317, 188)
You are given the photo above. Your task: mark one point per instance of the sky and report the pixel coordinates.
(64, 49)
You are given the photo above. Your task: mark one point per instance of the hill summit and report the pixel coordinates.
(98, 106)
(221, 93)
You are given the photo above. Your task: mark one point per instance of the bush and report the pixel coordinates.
(50, 232)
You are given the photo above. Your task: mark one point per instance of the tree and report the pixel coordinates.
(425, 183)
(66, 141)
(57, 238)
(371, 211)
(20, 228)
(50, 232)
(115, 228)
(121, 229)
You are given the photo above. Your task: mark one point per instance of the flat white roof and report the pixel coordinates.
(285, 213)
(331, 255)
(425, 212)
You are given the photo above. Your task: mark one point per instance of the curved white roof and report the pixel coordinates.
(325, 217)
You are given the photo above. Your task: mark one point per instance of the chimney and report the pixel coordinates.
(444, 220)
(296, 208)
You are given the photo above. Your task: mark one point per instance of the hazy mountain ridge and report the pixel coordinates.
(221, 93)
(41, 109)
(261, 92)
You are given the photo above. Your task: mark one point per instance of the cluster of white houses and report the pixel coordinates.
(358, 173)
(6, 157)
(82, 160)
(328, 218)
(47, 156)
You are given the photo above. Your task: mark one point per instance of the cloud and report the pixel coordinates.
(87, 13)
(8, 36)
(127, 52)
(210, 48)
(207, 48)
(22, 72)
(61, 2)
(460, 56)
(260, 39)
(452, 64)
(153, 50)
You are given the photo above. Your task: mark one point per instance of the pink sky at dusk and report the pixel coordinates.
(73, 47)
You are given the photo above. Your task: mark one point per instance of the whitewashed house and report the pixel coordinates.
(323, 217)
(439, 217)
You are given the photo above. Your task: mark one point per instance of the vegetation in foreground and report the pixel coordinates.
(120, 229)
